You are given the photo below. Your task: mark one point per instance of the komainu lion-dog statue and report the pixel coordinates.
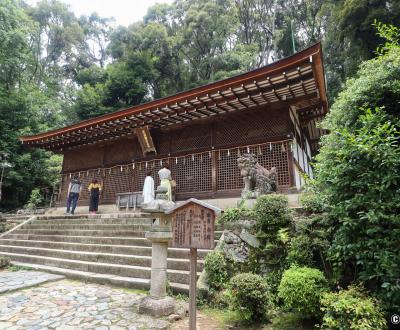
(257, 179)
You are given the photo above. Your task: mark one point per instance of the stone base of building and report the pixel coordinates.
(157, 307)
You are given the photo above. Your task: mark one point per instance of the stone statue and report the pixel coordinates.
(257, 179)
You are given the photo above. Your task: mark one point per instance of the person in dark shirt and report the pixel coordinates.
(74, 190)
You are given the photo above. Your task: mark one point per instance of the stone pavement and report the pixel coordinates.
(11, 281)
(67, 304)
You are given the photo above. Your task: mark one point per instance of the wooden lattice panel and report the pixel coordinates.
(195, 137)
(117, 181)
(252, 126)
(85, 178)
(83, 158)
(268, 155)
(192, 173)
(121, 151)
(139, 173)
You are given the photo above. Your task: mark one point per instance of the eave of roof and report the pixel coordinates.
(311, 55)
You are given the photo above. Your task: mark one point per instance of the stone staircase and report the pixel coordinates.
(107, 249)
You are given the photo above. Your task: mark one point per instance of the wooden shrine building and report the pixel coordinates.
(271, 112)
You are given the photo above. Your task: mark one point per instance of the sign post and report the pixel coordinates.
(193, 224)
(192, 289)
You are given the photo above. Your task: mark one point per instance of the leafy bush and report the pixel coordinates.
(248, 294)
(358, 172)
(235, 214)
(312, 202)
(273, 279)
(301, 289)
(2, 226)
(35, 199)
(216, 268)
(300, 251)
(272, 229)
(310, 245)
(364, 176)
(4, 262)
(351, 309)
(272, 214)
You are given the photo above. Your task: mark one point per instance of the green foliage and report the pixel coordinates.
(272, 214)
(272, 229)
(4, 262)
(301, 289)
(391, 35)
(232, 215)
(273, 278)
(248, 294)
(217, 270)
(300, 251)
(35, 199)
(351, 36)
(17, 268)
(312, 202)
(358, 172)
(310, 243)
(351, 309)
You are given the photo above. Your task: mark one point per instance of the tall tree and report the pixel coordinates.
(257, 25)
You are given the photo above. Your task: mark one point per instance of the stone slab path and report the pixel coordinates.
(69, 305)
(11, 281)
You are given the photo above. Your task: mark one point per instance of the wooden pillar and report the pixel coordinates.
(291, 166)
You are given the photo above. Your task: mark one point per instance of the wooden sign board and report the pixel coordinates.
(193, 224)
(145, 140)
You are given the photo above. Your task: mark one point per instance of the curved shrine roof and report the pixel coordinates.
(297, 81)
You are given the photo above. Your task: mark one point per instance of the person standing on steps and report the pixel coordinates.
(148, 190)
(166, 179)
(94, 191)
(74, 190)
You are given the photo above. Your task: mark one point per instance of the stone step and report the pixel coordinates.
(95, 257)
(175, 276)
(122, 221)
(84, 226)
(95, 216)
(121, 281)
(99, 233)
(130, 241)
(101, 248)
(136, 241)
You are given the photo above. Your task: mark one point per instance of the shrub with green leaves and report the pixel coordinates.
(272, 214)
(235, 214)
(312, 202)
(2, 226)
(273, 278)
(248, 294)
(358, 172)
(300, 251)
(4, 262)
(216, 269)
(35, 199)
(351, 309)
(301, 289)
(272, 229)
